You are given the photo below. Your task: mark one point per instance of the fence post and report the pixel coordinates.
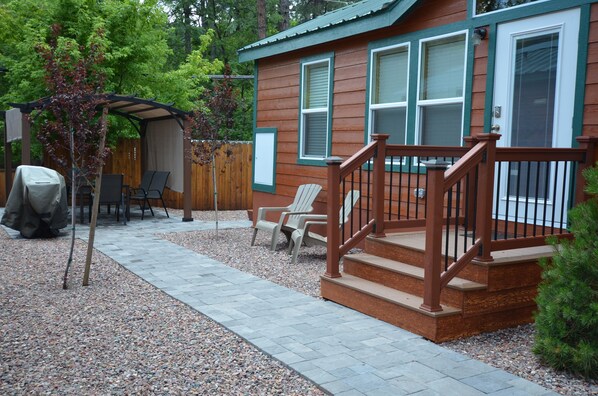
(378, 188)
(433, 249)
(588, 143)
(332, 209)
(485, 195)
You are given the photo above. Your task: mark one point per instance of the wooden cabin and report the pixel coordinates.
(465, 124)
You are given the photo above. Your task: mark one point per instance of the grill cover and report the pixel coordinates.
(37, 204)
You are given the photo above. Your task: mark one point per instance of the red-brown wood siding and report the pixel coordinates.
(590, 119)
(278, 94)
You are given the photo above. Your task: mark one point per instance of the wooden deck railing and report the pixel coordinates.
(453, 193)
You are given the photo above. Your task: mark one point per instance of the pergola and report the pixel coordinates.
(143, 115)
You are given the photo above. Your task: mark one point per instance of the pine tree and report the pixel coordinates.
(567, 320)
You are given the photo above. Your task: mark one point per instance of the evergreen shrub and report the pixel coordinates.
(567, 317)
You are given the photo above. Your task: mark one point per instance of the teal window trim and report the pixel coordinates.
(321, 58)
(491, 65)
(422, 104)
(265, 187)
(414, 41)
(371, 84)
(580, 82)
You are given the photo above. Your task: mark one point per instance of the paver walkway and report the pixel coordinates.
(341, 350)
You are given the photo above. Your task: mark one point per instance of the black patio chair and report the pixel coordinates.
(111, 194)
(154, 190)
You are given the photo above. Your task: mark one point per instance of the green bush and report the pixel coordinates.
(567, 320)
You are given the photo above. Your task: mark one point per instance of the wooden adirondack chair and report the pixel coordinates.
(303, 235)
(289, 218)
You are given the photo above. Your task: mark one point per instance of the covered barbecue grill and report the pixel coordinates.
(37, 204)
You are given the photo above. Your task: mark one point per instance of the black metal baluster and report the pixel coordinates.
(496, 205)
(566, 164)
(526, 200)
(392, 157)
(554, 190)
(517, 191)
(537, 196)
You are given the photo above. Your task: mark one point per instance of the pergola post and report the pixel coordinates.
(7, 161)
(187, 168)
(26, 140)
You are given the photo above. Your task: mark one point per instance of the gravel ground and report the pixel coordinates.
(508, 349)
(123, 336)
(118, 336)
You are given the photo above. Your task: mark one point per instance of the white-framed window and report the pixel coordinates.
(389, 89)
(486, 6)
(441, 87)
(314, 128)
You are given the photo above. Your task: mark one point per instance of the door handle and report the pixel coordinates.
(495, 128)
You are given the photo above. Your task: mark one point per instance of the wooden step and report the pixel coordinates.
(403, 310)
(405, 277)
(510, 268)
(472, 298)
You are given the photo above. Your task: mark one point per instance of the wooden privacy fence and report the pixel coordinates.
(233, 176)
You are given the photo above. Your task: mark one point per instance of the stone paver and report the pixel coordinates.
(341, 350)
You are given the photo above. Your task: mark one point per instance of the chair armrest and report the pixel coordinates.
(311, 217)
(311, 223)
(284, 215)
(261, 212)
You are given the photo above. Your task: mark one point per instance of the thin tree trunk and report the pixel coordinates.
(261, 19)
(215, 190)
(96, 203)
(73, 203)
(187, 28)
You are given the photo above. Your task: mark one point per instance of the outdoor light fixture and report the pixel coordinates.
(479, 34)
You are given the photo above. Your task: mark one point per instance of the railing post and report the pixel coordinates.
(434, 221)
(485, 196)
(378, 193)
(589, 144)
(332, 210)
(470, 142)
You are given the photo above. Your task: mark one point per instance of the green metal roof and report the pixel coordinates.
(353, 19)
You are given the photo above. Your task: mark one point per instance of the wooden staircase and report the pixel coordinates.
(386, 282)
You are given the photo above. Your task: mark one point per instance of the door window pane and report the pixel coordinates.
(443, 66)
(534, 87)
(390, 121)
(441, 124)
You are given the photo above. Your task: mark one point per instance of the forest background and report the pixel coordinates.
(166, 50)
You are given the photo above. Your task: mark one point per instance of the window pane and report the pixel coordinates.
(441, 125)
(443, 66)
(536, 61)
(392, 122)
(315, 134)
(483, 6)
(390, 85)
(316, 92)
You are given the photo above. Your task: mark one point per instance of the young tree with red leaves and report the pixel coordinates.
(210, 125)
(70, 127)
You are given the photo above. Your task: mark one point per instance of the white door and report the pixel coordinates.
(534, 95)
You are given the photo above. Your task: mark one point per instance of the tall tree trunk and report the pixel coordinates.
(261, 19)
(285, 14)
(187, 21)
